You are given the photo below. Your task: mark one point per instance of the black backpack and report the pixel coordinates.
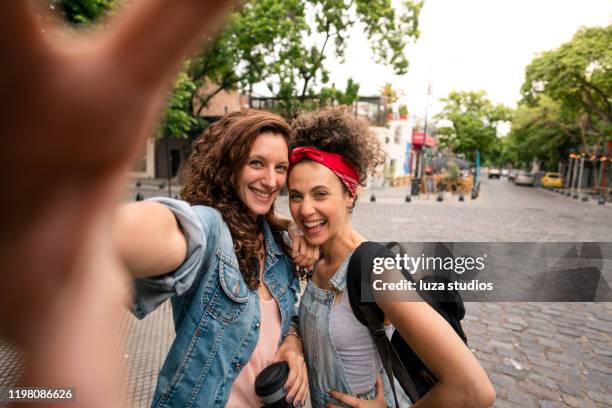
(398, 358)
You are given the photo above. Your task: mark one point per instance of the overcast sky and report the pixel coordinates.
(472, 45)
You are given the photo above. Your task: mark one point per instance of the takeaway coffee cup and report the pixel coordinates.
(270, 385)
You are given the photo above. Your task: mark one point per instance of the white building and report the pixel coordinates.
(396, 140)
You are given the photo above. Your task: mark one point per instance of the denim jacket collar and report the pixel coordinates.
(272, 247)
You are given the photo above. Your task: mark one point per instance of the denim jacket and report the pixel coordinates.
(325, 369)
(216, 316)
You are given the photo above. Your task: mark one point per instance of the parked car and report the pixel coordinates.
(494, 173)
(552, 180)
(524, 179)
(505, 172)
(512, 175)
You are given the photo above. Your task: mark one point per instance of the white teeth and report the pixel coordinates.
(314, 224)
(261, 194)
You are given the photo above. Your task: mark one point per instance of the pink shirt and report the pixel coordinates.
(242, 394)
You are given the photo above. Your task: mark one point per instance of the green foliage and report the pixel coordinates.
(578, 77)
(473, 124)
(453, 172)
(179, 120)
(541, 131)
(567, 101)
(281, 45)
(403, 110)
(82, 12)
(331, 96)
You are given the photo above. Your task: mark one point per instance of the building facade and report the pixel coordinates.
(396, 140)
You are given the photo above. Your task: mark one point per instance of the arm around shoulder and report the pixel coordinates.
(149, 239)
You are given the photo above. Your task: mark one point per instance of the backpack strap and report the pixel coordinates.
(371, 316)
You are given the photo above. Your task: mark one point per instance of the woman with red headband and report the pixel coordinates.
(332, 152)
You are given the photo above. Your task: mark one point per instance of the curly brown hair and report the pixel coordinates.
(210, 176)
(334, 129)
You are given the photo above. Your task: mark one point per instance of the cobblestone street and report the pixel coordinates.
(537, 354)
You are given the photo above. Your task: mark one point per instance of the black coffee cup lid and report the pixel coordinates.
(271, 379)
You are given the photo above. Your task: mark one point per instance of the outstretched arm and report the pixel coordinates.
(149, 239)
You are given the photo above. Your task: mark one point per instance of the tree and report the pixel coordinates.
(179, 119)
(473, 124)
(292, 39)
(578, 77)
(283, 45)
(543, 132)
(82, 13)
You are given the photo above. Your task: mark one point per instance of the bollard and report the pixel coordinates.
(373, 198)
(601, 200)
(138, 183)
(585, 198)
(440, 196)
(162, 185)
(575, 196)
(461, 198)
(139, 196)
(408, 199)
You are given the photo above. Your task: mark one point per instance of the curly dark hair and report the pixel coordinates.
(334, 129)
(210, 176)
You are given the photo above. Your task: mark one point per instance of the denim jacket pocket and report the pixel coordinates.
(231, 280)
(230, 294)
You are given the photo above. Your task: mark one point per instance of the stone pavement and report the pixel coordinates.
(537, 354)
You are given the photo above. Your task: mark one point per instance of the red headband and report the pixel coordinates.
(346, 172)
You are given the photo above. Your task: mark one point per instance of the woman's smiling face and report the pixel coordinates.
(318, 201)
(264, 173)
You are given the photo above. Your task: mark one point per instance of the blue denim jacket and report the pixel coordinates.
(216, 316)
(325, 369)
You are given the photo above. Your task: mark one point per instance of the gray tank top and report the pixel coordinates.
(355, 346)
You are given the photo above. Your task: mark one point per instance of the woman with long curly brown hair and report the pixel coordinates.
(332, 153)
(219, 255)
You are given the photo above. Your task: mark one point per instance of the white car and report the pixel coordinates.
(505, 172)
(494, 173)
(524, 179)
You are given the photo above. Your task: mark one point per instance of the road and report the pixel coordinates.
(537, 354)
